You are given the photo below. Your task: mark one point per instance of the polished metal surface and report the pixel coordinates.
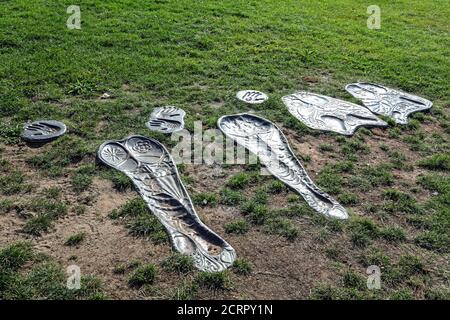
(389, 102)
(151, 168)
(166, 119)
(252, 96)
(43, 130)
(266, 140)
(330, 114)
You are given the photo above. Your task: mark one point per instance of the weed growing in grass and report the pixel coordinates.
(187, 290)
(46, 211)
(214, 280)
(148, 226)
(179, 263)
(242, 267)
(143, 275)
(120, 269)
(205, 199)
(353, 280)
(231, 198)
(392, 234)
(326, 147)
(440, 161)
(79, 209)
(41, 279)
(80, 182)
(119, 180)
(9, 132)
(6, 206)
(434, 240)
(239, 226)
(52, 193)
(64, 151)
(277, 187)
(282, 227)
(348, 198)
(15, 256)
(241, 180)
(330, 180)
(256, 213)
(379, 175)
(133, 208)
(362, 231)
(399, 202)
(13, 183)
(75, 239)
(435, 182)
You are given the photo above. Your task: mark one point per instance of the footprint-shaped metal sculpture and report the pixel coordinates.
(389, 102)
(330, 114)
(151, 168)
(167, 119)
(252, 96)
(43, 131)
(266, 140)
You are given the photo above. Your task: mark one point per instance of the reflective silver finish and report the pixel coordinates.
(166, 119)
(330, 114)
(252, 96)
(151, 168)
(43, 131)
(389, 102)
(266, 140)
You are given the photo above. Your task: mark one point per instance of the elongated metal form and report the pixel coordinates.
(151, 168)
(330, 114)
(167, 119)
(43, 130)
(389, 102)
(266, 140)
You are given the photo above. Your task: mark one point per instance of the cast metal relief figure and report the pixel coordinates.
(155, 175)
(167, 119)
(43, 131)
(389, 102)
(330, 114)
(252, 96)
(266, 140)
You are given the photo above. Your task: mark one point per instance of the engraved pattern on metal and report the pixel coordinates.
(266, 140)
(167, 119)
(389, 102)
(43, 130)
(330, 114)
(252, 96)
(151, 168)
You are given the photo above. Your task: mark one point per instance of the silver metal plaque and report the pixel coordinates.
(166, 119)
(266, 140)
(330, 114)
(389, 102)
(151, 168)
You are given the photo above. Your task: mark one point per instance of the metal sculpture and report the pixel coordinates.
(388, 102)
(266, 140)
(167, 119)
(43, 131)
(330, 114)
(252, 96)
(151, 168)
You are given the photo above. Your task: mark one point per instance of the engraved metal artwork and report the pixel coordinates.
(43, 131)
(330, 114)
(388, 102)
(252, 96)
(266, 140)
(166, 119)
(151, 168)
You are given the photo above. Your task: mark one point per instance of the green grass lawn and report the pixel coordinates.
(197, 55)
